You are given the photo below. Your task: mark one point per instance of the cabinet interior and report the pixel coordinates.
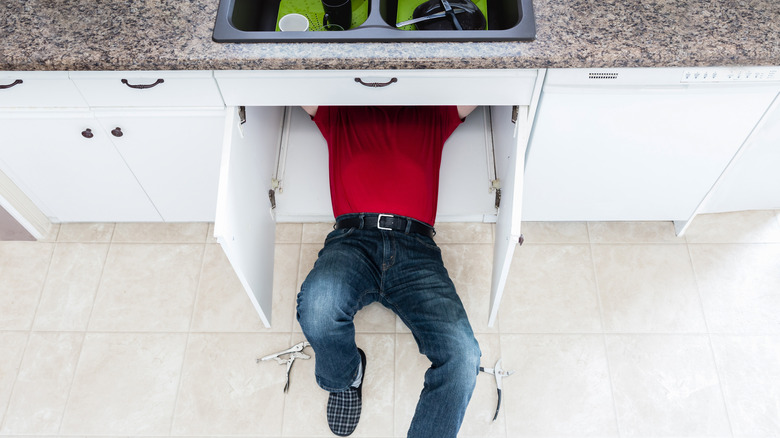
(468, 178)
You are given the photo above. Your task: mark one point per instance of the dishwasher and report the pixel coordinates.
(639, 144)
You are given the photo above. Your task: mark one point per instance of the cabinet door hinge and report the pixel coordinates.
(495, 186)
(515, 113)
(272, 198)
(241, 115)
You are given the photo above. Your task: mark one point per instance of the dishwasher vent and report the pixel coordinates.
(602, 75)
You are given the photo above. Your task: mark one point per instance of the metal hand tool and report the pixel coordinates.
(448, 10)
(500, 374)
(295, 348)
(456, 10)
(295, 352)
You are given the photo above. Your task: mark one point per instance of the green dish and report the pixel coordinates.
(313, 11)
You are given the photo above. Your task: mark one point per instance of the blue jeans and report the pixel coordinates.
(405, 273)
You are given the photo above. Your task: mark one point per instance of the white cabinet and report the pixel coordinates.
(377, 87)
(65, 162)
(250, 169)
(152, 152)
(168, 128)
(622, 144)
(46, 89)
(510, 141)
(245, 224)
(633, 144)
(148, 88)
(277, 157)
(752, 180)
(174, 154)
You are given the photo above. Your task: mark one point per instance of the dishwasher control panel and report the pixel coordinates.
(730, 74)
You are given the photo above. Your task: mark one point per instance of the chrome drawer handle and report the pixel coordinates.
(16, 82)
(143, 86)
(376, 84)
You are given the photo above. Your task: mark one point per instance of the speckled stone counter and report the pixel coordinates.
(176, 35)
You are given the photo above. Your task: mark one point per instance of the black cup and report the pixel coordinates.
(338, 14)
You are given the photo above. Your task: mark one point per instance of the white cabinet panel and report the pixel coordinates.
(175, 156)
(304, 192)
(68, 166)
(465, 178)
(148, 88)
(752, 181)
(377, 87)
(245, 226)
(467, 171)
(632, 152)
(510, 144)
(46, 89)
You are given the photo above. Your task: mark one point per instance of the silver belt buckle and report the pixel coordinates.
(379, 220)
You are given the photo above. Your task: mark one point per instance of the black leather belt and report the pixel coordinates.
(386, 222)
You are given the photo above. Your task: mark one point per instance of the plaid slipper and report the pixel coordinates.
(344, 407)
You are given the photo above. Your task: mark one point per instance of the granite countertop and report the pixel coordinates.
(176, 35)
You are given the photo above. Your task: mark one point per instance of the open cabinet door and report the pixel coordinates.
(509, 140)
(245, 224)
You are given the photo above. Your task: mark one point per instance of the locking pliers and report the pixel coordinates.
(294, 352)
(500, 374)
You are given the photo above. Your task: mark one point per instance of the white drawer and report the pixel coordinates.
(148, 88)
(377, 87)
(39, 90)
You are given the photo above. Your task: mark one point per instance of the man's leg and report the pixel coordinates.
(422, 294)
(342, 281)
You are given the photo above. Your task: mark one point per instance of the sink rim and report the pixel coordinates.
(374, 29)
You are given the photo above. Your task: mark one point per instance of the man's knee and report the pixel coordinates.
(470, 356)
(324, 300)
(461, 358)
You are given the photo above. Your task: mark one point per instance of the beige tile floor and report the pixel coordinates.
(612, 329)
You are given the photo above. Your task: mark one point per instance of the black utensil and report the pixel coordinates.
(470, 19)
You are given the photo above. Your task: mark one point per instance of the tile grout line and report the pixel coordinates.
(187, 338)
(286, 394)
(29, 331)
(395, 379)
(72, 378)
(43, 285)
(709, 341)
(501, 354)
(292, 332)
(603, 330)
(108, 245)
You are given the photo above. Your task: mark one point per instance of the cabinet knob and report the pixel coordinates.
(117, 132)
(87, 133)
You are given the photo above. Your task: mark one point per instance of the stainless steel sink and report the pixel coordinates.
(252, 21)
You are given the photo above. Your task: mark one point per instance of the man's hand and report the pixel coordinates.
(311, 110)
(463, 111)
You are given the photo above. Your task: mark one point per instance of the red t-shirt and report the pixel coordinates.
(386, 159)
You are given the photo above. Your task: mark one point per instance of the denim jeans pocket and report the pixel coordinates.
(426, 241)
(338, 234)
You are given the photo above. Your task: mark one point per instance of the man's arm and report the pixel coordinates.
(463, 111)
(311, 110)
